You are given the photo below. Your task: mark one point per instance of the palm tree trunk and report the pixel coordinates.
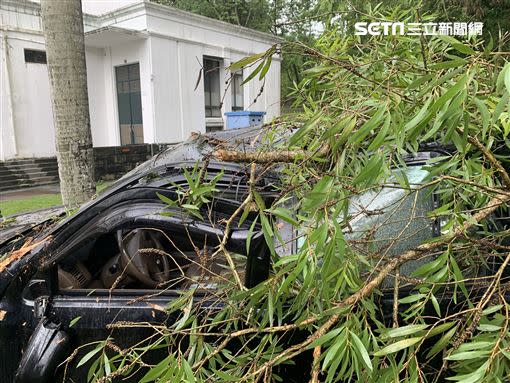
(65, 50)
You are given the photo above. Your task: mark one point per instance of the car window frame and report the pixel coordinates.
(136, 221)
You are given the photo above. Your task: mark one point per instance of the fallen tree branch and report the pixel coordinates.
(397, 261)
(267, 157)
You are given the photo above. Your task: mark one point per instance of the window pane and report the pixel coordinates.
(134, 71)
(122, 73)
(212, 91)
(129, 103)
(35, 56)
(237, 91)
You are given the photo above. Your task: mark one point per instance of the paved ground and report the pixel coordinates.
(29, 192)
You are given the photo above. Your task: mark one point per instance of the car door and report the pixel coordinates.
(126, 316)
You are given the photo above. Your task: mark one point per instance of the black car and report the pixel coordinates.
(127, 252)
(90, 268)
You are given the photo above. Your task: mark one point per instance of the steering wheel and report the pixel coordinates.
(149, 267)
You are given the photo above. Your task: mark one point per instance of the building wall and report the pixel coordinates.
(98, 100)
(166, 84)
(27, 120)
(187, 42)
(169, 47)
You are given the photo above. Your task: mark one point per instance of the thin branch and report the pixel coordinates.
(316, 364)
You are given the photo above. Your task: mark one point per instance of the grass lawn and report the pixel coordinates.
(42, 201)
(22, 205)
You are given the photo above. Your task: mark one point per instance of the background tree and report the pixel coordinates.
(63, 31)
(303, 20)
(247, 13)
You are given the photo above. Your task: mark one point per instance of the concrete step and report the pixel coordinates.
(20, 172)
(34, 178)
(21, 161)
(4, 188)
(29, 165)
(29, 174)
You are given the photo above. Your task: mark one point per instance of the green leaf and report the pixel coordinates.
(333, 350)
(319, 195)
(492, 309)
(90, 354)
(270, 307)
(188, 371)
(246, 61)
(474, 377)
(412, 298)
(397, 346)
(186, 314)
(500, 107)
(475, 346)
(449, 64)
(435, 303)
(419, 116)
(266, 67)
(370, 171)
(463, 48)
(250, 234)
(325, 338)
(405, 330)
(507, 77)
(190, 207)
(284, 214)
(442, 342)
(254, 72)
(309, 125)
(379, 139)
(420, 80)
(226, 377)
(157, 371)
(367, 127)
(165, 199)
(439, 329)
(107, 368)
(484, 112)
(468, 355)
(362, 350)
(488, 327)
(74, 321)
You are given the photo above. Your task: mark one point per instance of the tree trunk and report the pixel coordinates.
(65, 50)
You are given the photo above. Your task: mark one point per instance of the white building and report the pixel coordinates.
(143, 62)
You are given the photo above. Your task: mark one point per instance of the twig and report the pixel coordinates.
(490, 157)
(316, 364)
(395, 298)
(249, 331)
